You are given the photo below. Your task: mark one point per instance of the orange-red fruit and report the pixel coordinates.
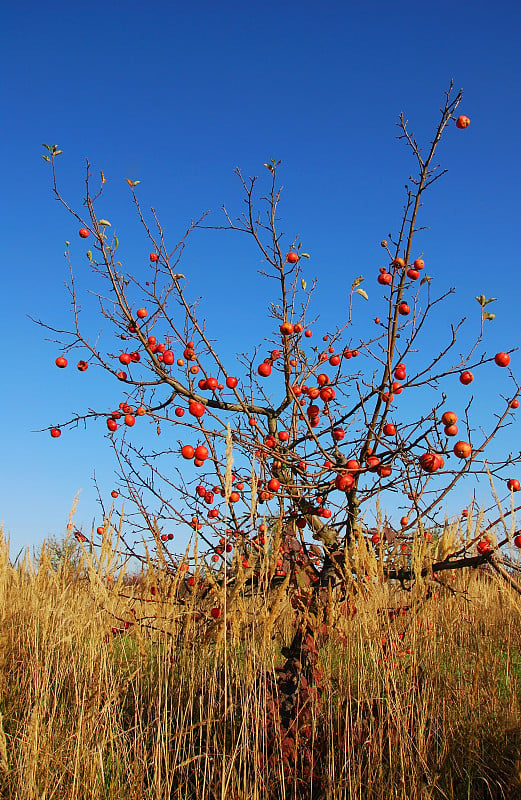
(514, 485)
(231, 382)
(451, 430)
(404, 521)
(419, 263)
(462, 122)
(129, 420)
(195, 408)
(264, 369)
(187, 451)
(514, 403)
(201, 452)
(114, 494)
(383, 243)
(83, 232)
(399, 262)
(141, 313)
(485, 546)
(82, 366)
(517, 540)
(466, 377)
(404, 309)
(449, 418)
(502, 359)
(389, 429)
(292, 257)
(372, 463)
(61, 362)
(274, 485)
(430, 462)
(344, 482)
(55, 433)
(462, 449)
(286, 329)
(154, 257)
(215, 613)
(112, 424)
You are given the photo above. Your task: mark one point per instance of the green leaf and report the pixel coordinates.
(304, 255)
(104, 222)
(57, 152)
(358, 281)
(46, 158)
(47, 147)
(89, 255)
(425, 279)
(481, 299)
(362, 293)
(116, 242)
(490, 300)
(303, 283)
(487, 315)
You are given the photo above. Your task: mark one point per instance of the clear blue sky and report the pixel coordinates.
(178, 94)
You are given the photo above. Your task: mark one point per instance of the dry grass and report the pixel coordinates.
(183, 713)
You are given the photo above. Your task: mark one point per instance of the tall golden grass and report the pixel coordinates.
(417, 703)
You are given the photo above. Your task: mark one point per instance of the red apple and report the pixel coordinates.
(83, 232)
(502, 359)
(55, 433)
(61, 362)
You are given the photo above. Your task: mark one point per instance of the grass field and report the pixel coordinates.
(419, 695)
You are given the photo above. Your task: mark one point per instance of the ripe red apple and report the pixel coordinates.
(404, 309)
(55, 433)
(466, 378)
(283, 436)
(462, 122)
(154, 257)
(264, 369)
(83, 232)
(141, 313)
(413, 274)
(292, 257)
(195, 408)
(462, 449)
(338, 434)
(502, 359)
(168, 357)
(389, 429)
(298, 328)
(308, 334)
(286, 329)
(372, 463)
(125, 358)
(201, 452)
(114, 494)
(187, 451)
(274, 485)
(231, 382)
(384, 278)
(404, 521)
(449, 418)
(122, 376)
(430, 462)
(61, 362)
(514, 485)
(344, 482)
(514, 403)
(419, 263)
(399, 262)
(451, 430)
(112, 425)
(129, 420)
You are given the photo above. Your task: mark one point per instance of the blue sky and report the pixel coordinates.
(177, 95)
